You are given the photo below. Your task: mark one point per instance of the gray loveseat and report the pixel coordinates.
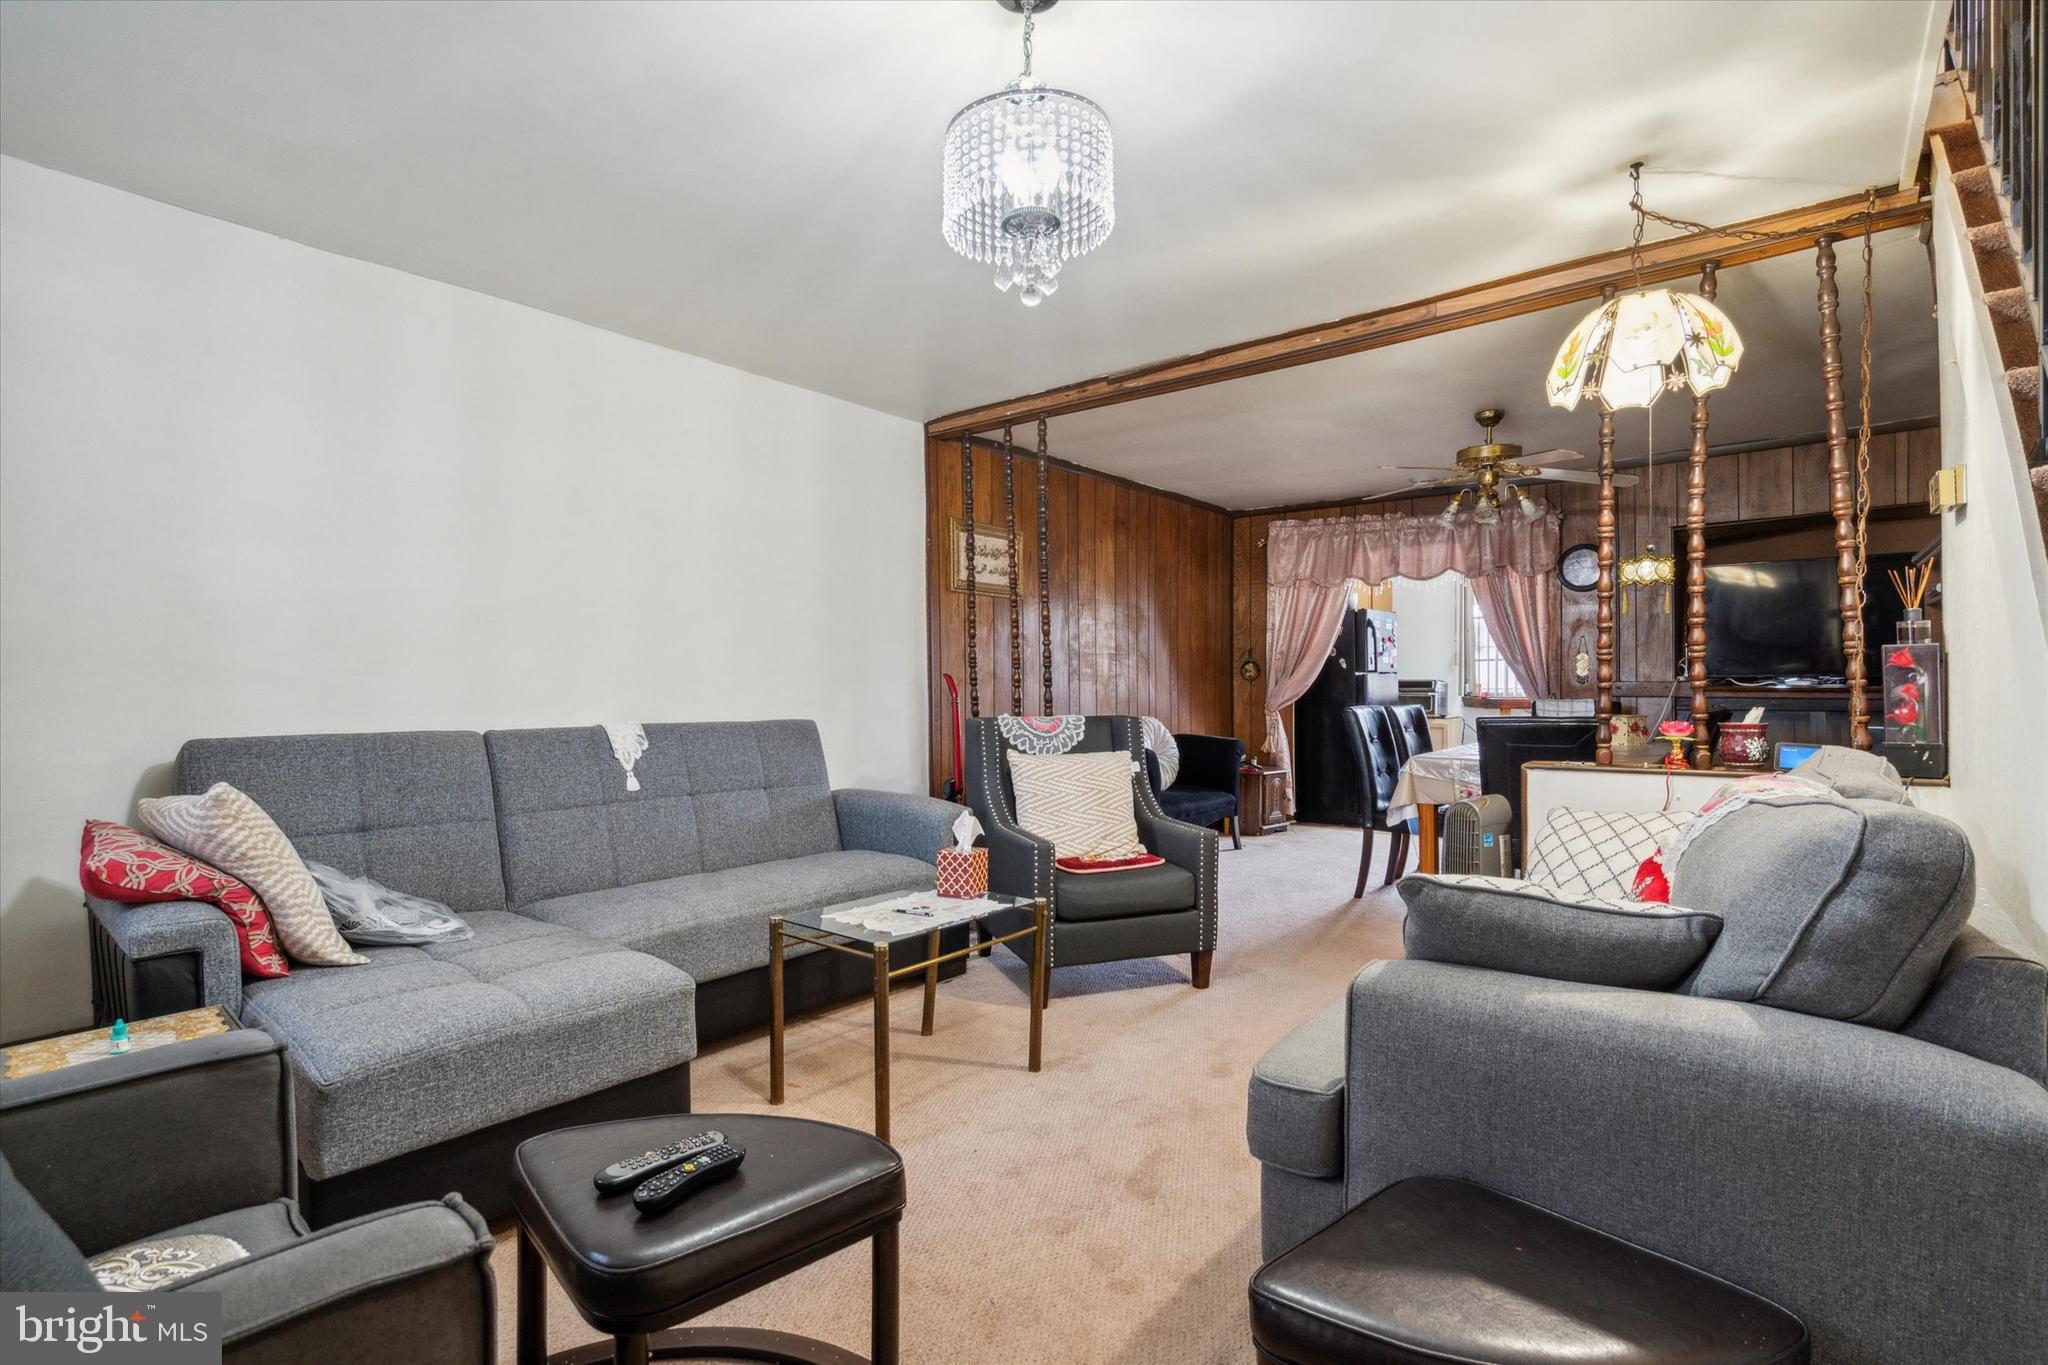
(615, 930)
(1882, 1173)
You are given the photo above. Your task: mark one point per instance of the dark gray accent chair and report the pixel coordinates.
(615, 928)
(1885, 1181)
(1204, 791)
(1100, 917)
(196, 1137)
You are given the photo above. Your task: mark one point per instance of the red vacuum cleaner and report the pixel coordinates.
(956, 786)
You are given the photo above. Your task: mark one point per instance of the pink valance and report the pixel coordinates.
(1372, 549)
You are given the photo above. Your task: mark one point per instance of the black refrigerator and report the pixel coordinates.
(1361, 671)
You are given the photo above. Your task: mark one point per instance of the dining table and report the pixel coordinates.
(1428, 781)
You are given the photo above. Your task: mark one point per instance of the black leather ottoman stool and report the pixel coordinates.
(1435, 1270)
(805, 1191)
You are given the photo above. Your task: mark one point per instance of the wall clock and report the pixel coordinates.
(1579, 568)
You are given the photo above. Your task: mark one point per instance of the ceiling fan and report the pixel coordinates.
(1484, 470)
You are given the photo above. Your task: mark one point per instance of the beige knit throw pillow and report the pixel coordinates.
(228, 830)
(1081, 802)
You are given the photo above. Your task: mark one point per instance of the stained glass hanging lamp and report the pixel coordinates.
(1637, 345)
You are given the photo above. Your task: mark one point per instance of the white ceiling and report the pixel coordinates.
(1320, 432)
(758, 183)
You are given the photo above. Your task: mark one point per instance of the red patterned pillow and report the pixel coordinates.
(116, 863)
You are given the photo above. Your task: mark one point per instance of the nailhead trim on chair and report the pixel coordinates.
(1041, 853)
(1206, 916)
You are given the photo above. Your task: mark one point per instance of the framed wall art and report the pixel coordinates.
(992, 551)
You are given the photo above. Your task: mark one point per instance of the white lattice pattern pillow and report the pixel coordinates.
(1596, 853)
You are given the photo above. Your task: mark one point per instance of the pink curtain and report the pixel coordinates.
(1373, 549)
(1301, 625)
(1521, 615)
(1310, 566)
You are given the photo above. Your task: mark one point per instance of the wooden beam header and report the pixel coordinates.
(1757, 239)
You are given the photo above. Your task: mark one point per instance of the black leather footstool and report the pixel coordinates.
(1434, 1270)
(805, 1191)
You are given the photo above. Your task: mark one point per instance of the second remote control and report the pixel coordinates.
(667, 1190)
(621, 1176)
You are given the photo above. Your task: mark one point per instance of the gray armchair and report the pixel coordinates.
(195, 1138)
(1107, 917)
(1889, 1188)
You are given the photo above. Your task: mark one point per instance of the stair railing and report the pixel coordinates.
(1997, 46)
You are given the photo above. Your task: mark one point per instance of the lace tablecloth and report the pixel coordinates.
(1436, 778)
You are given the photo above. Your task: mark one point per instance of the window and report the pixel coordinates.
(1486, 671)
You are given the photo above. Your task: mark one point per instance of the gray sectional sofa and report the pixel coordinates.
(615, 930)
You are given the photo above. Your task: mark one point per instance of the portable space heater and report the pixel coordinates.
(1476, 837)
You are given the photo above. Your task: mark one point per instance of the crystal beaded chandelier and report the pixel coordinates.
(1030, 177)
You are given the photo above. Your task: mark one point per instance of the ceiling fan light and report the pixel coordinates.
(1530, 511)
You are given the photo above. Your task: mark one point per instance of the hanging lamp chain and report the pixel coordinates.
(1635, 203)
(1863, 414)
(1865, 218)
(1030, 19)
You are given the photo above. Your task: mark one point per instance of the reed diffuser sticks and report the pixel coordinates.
(1912, 582)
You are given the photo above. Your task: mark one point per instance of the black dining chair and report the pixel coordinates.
(1412, 736)
(1411, 731)
(1378, 753)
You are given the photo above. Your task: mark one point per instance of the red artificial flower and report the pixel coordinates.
(1900, 658)
(1909, 689)
(1906, 711)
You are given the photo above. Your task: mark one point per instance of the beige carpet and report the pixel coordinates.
(1103, 1210)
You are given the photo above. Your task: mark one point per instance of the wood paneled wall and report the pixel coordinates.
(1155, 598)
(1140, 595)
(1754, 485)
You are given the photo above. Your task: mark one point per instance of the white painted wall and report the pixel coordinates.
(248, 487)
(1994, 577)
(1431, 647)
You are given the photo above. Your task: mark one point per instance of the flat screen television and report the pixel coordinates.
(1779, 621)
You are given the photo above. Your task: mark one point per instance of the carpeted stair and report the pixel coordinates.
(2005, 284)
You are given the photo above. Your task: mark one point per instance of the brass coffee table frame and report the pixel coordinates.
(779, 936)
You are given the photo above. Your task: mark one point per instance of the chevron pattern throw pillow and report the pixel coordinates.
(225, 828)
(1083, 803)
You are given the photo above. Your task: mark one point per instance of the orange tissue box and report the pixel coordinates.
(963, 876)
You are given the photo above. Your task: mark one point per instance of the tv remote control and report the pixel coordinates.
(621, 1176)
(666, 1190)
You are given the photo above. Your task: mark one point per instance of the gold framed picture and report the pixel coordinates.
(992, 551)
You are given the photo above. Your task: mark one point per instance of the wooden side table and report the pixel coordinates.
(1262, 799)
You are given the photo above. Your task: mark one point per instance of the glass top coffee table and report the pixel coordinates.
(900, 939)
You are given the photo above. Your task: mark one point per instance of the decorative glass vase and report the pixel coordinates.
(1915, 700)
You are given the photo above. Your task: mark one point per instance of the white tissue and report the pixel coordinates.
(1756, 713)
(965, 831)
